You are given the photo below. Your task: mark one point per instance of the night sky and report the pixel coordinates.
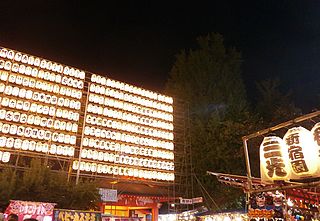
(137, 41)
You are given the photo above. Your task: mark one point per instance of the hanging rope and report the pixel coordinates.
(207, 193)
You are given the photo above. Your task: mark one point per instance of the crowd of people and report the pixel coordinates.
(13, 217)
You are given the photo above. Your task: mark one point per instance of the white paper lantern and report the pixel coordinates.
(302, 151)
(274, 159)
(5, 157)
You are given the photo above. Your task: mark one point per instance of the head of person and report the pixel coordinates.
(1, 216)
(30, 219)
(261, 200)
(13, 217)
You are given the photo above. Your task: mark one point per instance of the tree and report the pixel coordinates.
(209, 79)
(40, 183)
(7, 186)
(273, 105)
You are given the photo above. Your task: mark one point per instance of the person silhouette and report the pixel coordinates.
(13, 217)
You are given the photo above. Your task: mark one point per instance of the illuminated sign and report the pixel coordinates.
(74, 215)
(296, 156)
(27, 209)
(128, 131)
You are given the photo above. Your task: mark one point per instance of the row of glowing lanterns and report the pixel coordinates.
(40, 97)
(51, 66)
(293, 157)
(129, 97)
(41, 74)
(37, 120)
(128, 160)
(40, 85)
(129, 107)
(31, 145)
(114, 135)
(129, 88)
(23, 131)
(4, 156)
(38, 62)
(122, 171)
(127, 149)
(38, 108)
(120, 125)
(109, 112)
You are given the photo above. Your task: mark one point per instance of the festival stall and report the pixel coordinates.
(289, 175)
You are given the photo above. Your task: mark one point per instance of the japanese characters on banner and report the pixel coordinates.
(296, 156)
(40, 104)
(75, 215)
(128, 132)
(25, 209)
(274, 159)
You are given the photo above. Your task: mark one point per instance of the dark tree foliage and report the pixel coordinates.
(42, 184)
(209, 79)
(273, 105)
(8, 186)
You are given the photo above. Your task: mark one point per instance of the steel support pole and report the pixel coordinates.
(82, 134)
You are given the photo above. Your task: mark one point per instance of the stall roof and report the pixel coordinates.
(305, 189)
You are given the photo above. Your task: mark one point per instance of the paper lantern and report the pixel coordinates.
(315, 131)
(274, 159)
(302, 151)
(4, 157)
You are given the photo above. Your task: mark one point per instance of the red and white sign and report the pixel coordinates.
(25, 209)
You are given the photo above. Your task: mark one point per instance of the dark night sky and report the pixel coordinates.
(136, 42)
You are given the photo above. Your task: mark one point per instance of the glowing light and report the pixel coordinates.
(302, 151)
(273, 151)
(290, 203)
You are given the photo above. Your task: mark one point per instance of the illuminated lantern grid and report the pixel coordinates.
(128, 131)
(40, 105)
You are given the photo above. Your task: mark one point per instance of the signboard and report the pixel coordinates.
(25, 209)
(197, 200)
(75, 215)
(108, 195)
(191, 201)
(185, 201)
